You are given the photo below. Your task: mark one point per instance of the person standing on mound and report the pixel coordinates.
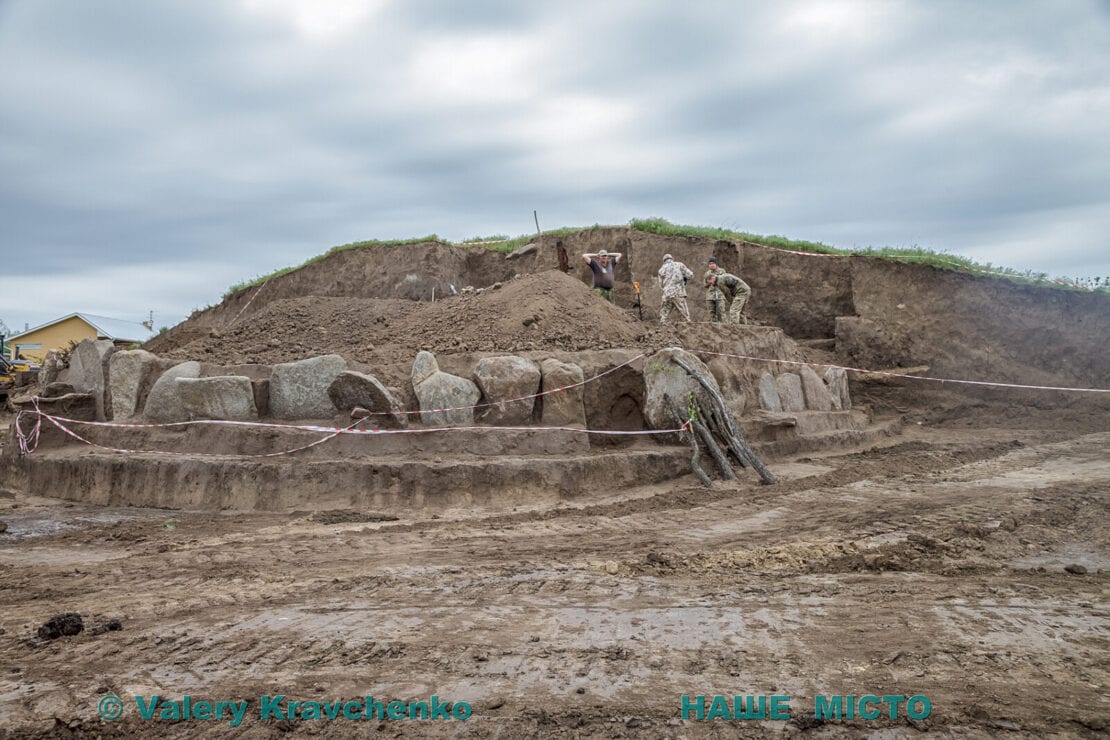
(601, 265)
(673, 277)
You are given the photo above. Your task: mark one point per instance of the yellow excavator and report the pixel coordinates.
(15, 374)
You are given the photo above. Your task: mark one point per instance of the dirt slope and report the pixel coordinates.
(373, 304)
(546, 310)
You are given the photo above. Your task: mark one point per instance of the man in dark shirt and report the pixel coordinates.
(601, 265)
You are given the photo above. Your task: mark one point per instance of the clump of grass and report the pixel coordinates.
(914, 254)
(507, 245)
(666, 228)
(486, 239)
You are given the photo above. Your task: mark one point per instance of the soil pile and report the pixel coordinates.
(547, 310)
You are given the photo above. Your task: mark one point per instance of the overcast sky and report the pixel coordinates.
(153, 153)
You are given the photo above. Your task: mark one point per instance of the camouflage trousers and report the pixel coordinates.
(736, 310)
(672, 302)
(713, 306)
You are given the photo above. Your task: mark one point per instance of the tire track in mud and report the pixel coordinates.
(515, 604)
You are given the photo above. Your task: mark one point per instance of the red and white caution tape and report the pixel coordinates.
(747, 243)
(331, 432)
(904, 375)
(244, 308)
(529, 397)
(28, 441)
(317, 428)
(27, 446)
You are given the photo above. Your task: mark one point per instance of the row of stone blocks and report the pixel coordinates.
(127, 384)
(805, 390)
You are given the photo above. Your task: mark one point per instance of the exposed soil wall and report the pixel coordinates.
(373, 306)
(970, 327)
(396, 483)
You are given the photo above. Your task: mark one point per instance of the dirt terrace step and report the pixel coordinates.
(238, 440)
(197, 482)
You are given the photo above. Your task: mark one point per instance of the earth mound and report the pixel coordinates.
(546, 310)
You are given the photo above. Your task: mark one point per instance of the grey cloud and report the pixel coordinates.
(166, 133)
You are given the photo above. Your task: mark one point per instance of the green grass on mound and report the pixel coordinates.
(915, 254)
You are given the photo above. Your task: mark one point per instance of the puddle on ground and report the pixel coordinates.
(27, 526)
(24, 526)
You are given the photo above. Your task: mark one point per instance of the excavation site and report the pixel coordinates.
(460, 481)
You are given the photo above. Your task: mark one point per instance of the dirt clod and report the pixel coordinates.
(346, 516)
(112, 625)
(61, 625)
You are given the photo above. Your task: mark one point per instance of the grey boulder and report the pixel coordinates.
(562, 408)
(224, 397)
(769, 393)
(815, 391)
(164, 403)
(501, 379)
(351, 390)
(437, 391)
(299, 390)
(789, 387)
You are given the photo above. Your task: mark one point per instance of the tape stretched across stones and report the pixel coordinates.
(904, 375)
(332, 433)
(372, 413)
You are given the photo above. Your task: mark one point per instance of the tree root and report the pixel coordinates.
(695, 465)
(731, 432)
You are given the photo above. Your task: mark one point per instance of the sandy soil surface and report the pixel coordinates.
(966, 565)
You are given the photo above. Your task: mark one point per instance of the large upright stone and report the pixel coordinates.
(667, 384)
(351, 389)
(74, 371)
(85, 364)
(815, 391)
(164, 403)
(768, 393)
(562, 408)
(50, 368)
(789, 387)
(92, 371)
(424, 367)
(837, 380)
(502, 379)
(225, 397)
(299, 390)
(132, 372)
(437, 391)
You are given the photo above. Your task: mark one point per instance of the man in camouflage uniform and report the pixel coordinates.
(737, 292)
(715, 302)
(673, 276)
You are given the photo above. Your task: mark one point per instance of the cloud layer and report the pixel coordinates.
(154, 153)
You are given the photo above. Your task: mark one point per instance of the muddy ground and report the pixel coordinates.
(966, 562)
